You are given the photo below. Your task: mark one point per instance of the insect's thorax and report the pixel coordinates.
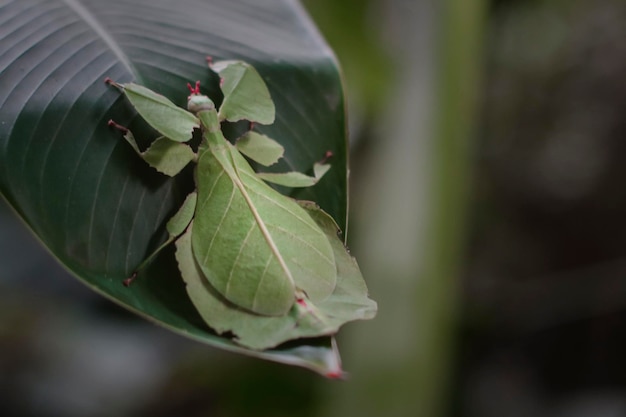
(212, 138)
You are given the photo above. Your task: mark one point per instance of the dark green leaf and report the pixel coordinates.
(83, 190)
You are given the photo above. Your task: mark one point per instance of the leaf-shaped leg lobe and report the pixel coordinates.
(255, 246)
(168, 119)
(246, 96)
(175, 227)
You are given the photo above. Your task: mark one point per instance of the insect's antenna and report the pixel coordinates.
(194, 90)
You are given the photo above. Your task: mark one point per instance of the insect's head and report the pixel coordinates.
(196, 101)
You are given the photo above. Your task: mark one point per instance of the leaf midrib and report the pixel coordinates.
(104, 35)
(257, 217)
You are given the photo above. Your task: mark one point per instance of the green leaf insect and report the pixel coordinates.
(261, 268)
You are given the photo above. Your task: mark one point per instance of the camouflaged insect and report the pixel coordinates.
(261, 268)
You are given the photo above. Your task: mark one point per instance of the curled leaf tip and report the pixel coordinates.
(195, 91)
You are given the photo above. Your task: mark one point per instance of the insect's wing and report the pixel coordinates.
(246, 96)
(255, 246)
(349, 300)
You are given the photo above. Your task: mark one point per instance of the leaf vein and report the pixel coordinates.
(241, 249)
(263, 275)
(219, 225)
(308, 222)
(305, 242)
(101, 31)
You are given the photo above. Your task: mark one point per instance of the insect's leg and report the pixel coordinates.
(175, 227)
(147, 261)
(298, 179)
(128, 135)
(260, 148)
(165, 155)
(236, 104)
(266, 151)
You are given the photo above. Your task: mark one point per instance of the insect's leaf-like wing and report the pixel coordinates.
(349, 300)
(256, 246)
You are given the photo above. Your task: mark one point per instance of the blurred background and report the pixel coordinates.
(487, 207)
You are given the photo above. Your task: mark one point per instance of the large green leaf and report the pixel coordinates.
(82, 189)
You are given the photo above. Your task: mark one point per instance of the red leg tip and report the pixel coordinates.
(117, 126)
(130, 279)
(335, 375)
(327, 156)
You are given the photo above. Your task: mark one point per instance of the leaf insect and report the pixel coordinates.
(258, 266)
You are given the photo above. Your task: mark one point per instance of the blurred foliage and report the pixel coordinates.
(542, 314)
(201, 387)
(545, 300)
(351, 27)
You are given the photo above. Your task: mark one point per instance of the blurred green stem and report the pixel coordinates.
(411, 196)
(459, 67)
